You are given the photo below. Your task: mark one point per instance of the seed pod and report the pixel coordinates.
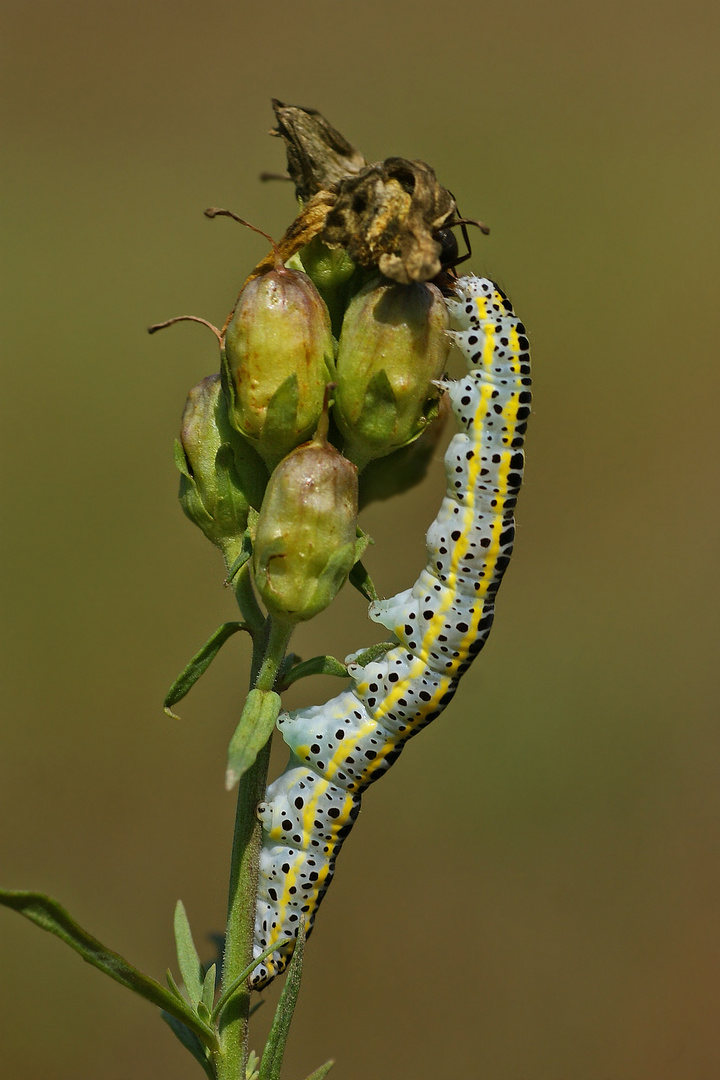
(222, 476)
(392, 346)
(304, 544)
(277, 361)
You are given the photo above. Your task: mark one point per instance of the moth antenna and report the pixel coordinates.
(265, 176)
(485, 229)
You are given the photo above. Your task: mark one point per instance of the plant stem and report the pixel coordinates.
(247, 602)
(268, 655)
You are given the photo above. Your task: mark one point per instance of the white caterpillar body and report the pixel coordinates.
(440, 624)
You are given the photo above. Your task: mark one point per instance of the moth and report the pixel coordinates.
(438, 626)
(392, 215)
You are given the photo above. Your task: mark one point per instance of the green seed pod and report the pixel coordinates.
(277, 361)
(221, 475)
(392, 346)
(305, 538)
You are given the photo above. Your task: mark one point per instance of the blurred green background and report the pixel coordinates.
(569, 798)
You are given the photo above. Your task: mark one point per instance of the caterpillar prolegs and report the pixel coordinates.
(440, 624)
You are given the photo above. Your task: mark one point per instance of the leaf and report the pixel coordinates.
(261, 710)
(188, 959)
(190, 1041)
(51, 916)
(181, 459)
(239, 983)
(317, 665)
(290, 661)
(361, 580)
(368, 655)
(230, 492)
(272, 1058)
(199, 664)
(208, 989)
(253, 516)
(245, 554)
(363, 542)
(170, 980)
(322, 1072)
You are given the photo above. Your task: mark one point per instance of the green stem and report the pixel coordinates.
(246, 599)
(268, 655)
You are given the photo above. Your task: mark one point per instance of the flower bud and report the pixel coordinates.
(334, 274)
(304, 544)
(392, 346)
(221, 474)
(328, 268)
(278, 359)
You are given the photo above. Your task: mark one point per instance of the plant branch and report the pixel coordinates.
(268, 655)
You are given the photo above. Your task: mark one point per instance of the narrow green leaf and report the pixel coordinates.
(226, 471)
(51, 916)
(170, 980)
(190, 1041)
(208, 989)
(239, 983)
(245, 553)
(188, 959)
(261, 710)
(203, 1012)
(322, 1072)
(181, 459)
(368, 655)
(272, 1058)
(361, 580)
(318, 665)
(253, 516)
(199, 664)
(363, 542)
(289, 662)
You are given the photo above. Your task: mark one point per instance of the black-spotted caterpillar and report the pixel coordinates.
(440, 624)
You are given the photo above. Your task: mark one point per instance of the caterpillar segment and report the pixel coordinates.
(439, 625)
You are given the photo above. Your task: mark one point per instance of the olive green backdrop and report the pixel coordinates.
(569, 798)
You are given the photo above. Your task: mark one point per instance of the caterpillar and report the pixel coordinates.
(439, 625)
